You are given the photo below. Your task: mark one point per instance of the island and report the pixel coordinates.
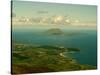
(58, 31)
(55, 31)
(39, 59)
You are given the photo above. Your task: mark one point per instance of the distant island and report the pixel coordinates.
(55, 31)
(58, 31)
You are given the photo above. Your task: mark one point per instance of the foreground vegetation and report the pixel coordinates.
(38, 59)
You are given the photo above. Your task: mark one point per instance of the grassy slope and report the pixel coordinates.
(30, 59)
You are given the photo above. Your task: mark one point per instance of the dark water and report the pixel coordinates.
(86, 42)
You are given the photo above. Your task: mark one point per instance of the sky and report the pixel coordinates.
(69, 13)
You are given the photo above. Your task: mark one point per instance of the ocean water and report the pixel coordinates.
(86, 41)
